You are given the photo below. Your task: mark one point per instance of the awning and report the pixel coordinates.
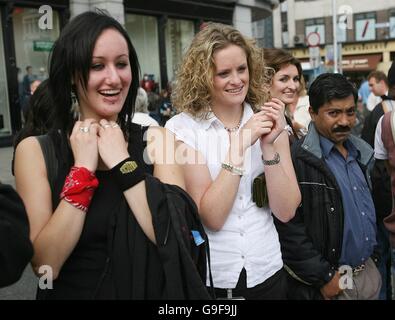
(365, 62)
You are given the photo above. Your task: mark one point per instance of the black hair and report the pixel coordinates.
(329, 86)
(39, 114)
(71, 58)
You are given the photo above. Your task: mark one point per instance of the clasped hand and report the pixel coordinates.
(90, 139)
(265, 125)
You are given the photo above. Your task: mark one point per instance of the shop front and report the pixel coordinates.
(24, 42)
(357, 67)
(161, 31)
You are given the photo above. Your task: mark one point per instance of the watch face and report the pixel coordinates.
(319, 28)
(365, 29)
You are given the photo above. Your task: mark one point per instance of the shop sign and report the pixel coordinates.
(39, 45)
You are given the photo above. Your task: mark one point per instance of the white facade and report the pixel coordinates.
(313, 9)
(323, 8)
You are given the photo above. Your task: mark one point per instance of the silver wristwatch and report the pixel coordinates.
(272, 162)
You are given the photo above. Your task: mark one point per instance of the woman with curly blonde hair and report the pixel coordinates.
(217, 89)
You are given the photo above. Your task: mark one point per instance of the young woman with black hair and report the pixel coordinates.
(98, 227)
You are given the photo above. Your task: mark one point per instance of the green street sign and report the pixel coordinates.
(39, 45)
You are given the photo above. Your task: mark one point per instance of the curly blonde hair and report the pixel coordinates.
(195, 75)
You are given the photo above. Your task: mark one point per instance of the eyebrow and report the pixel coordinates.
(333, 108)
(101, 57)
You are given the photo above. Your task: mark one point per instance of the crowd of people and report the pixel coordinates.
(124, 206)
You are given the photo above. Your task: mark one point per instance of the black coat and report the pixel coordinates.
(176, 262)
(16, 249)
(311, 242)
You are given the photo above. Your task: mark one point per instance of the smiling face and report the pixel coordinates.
(231, 77)
(109, 79)
(335, 119)
(285, 84)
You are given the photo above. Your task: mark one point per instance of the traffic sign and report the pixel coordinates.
(313, 39)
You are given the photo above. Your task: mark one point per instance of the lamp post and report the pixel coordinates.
(334, 24)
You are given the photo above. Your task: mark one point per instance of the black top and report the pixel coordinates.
(113, 258)
(80, 274)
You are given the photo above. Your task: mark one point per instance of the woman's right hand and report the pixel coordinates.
(259, 124)
(84, 144)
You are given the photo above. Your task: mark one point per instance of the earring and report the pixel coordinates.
(75, 107)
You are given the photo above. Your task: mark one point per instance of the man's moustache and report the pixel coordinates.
(341, 129)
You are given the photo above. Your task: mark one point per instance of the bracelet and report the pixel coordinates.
(235, 170)
(272, 162)
(127, 174)
(79, 186)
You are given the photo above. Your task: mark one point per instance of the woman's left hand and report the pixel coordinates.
(111, 143)
(275, 110)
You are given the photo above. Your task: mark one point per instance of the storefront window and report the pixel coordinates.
(179, 35)
(143, 31)
(32, 49)
(318, 28)
(5, 123)
(32, 44)
(365, 26)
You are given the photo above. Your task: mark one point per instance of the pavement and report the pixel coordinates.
(25, 288)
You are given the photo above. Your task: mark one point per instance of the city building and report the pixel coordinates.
(365, 34)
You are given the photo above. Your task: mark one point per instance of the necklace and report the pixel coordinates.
(236, 127)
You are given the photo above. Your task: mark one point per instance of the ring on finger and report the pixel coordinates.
(115, 125)
(84, 129)
(105, 126)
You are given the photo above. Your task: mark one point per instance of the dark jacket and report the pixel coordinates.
(173, 269)
(16, 249)
(311, 242)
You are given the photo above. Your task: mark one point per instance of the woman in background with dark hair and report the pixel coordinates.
(96, 226)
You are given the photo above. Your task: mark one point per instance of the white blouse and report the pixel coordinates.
(380, 152)
(248, 238)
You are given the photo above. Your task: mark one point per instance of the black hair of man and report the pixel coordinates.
(71, 58)
(329, 86)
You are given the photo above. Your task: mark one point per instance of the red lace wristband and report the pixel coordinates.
(79, 187)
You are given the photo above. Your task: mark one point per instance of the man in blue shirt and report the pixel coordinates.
(334, 229)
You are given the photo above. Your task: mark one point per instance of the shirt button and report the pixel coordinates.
(240, 197)
(355, 188)
(240, 217)
(367, 239)
(332, 209)
(333, 250)
(363, 213)
(242, 257)
(241, 234)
